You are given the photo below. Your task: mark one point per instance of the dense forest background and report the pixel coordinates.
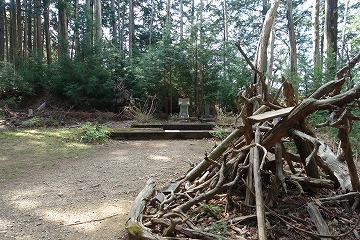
(106, 55)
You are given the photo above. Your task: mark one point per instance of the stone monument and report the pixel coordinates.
(184, 104)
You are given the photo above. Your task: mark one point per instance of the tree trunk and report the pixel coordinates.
(226, 32)
(47, 31)
(330, 38)
(316, 45)
(202, 74)
(181, 20)
(343, 135)
(13, 44)
(113, 22)
(29, 42)
(131, 27)
(121, 17)
(291, 32)
(89, 28)
(344, 31)
(261, 53)
(37, 29)
(76, 29)
(19, 28)
(63, 33)
(2, 30)
(97, 23)
(270, 64)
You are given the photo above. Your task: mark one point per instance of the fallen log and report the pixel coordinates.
(312, 182)
(134, 224)
(318, 220)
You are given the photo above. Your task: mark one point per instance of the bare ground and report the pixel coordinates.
(89, 197)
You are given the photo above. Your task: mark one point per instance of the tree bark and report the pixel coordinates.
(260, 207)
(131, 27)
(330, 38)
(344, 31)
(76, 29)
(134, 223)
(121, 17)
(2, 30)
(19, 27)
(63, 30)
(29, 43)
(270, 64)
(318, 220)
(226, 32)
(292, 40)
(47, 31)
(261, 52)
(113, 22)
(343, 135)
(181, 20)
(97, 24)
(37, 29)
(13, 39)
(316, 45)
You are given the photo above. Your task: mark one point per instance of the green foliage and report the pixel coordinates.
(34, 72)
(12, 85)
(219, 132)
(85, 84)
(219, 228)
(39, 122)
(92, 133)
(206, 208)
(33, 122)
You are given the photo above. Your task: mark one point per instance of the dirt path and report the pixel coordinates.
(89, 198)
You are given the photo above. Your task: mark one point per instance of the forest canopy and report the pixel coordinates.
(108, 54)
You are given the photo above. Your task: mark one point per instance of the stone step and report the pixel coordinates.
(188, 126)
(147, 125)
(157, 135)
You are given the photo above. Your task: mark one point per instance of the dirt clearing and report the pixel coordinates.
(89, 197)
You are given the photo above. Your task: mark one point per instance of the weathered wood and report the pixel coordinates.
(318, 220)
(134, 224)
(190, 233)
(329, 162)
(214, 155)
(307, 107)
(172, 187)
(312, 182)
(343, 135)
(279, 177)
(249, 197)
(350, 195)
(260, 207)
(341, 73)
(270, 115)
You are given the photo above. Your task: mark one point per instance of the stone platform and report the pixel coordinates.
(181, 130)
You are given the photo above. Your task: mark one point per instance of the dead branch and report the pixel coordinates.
(134, 223)
(258, 191)
(312, 182)
(341, 73)
(214, 155)
(317, 219)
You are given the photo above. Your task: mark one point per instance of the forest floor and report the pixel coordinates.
(89, 196)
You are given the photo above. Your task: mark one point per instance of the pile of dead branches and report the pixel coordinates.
(271, 178)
